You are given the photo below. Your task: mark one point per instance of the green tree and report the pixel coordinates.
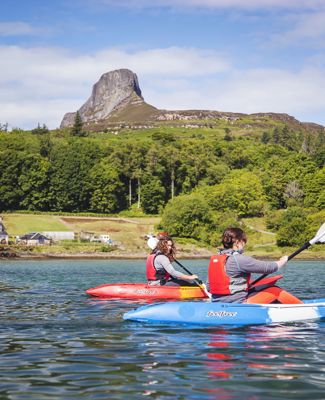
(293, 229)
(107, 190)
(187, 216)
(70, 181)
(266, 137)
(314, 189)
(227, 137)
(34, 183)
(40, 130)
(276, 135)
(241, 192)
(215, 173)
(11, 163)
(279, 171)
(77, 130)
(194, 160)
(153, 195)
(4, 127)
(164, 138)
(238, 156)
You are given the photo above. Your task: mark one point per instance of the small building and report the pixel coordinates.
(34, 239)
(86, 236)
(56, 236)
(4, 237)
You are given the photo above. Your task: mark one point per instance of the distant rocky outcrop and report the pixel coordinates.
(114, 92)
(116, 101)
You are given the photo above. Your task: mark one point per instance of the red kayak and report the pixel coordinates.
(144, 291)
(266, 293)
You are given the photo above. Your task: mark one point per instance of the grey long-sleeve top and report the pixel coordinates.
(238, 268)
(162, 262)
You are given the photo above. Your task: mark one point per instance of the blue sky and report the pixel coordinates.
(227, 55)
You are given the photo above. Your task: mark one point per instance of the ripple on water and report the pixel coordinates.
(56, 343)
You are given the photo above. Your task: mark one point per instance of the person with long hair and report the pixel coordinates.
(160, 270)
(229, 271)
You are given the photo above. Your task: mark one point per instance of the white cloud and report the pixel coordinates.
(16, 28)
(306, 26)
(39, 85)
(267, 90)
(46, 77)
(26, 114)
(299, 94)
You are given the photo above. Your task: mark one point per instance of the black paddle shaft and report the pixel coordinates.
(189, 272)
(303, 247)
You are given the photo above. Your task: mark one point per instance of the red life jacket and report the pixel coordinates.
(220, 282)
(152, 273)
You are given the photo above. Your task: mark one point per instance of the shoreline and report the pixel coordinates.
(128, 256)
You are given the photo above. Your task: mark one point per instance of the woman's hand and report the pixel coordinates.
(282, 262)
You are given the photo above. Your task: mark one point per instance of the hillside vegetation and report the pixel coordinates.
(197, 176)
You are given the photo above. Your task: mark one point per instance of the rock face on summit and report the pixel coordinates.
(116, 100)
(113, 92)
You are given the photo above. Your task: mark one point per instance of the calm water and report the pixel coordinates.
(57, 343)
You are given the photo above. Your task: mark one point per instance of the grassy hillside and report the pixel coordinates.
(129, 235)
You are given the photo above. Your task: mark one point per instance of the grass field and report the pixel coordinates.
(130, 236)
(128, 233)
(19, 224)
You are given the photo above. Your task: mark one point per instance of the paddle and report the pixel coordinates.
(318, 238)
(197, 281)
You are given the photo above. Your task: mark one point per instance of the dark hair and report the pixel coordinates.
(230, 235)
(163, 248)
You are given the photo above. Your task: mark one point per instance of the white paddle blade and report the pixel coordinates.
(206, 291)
(152, 242)
(320, 235)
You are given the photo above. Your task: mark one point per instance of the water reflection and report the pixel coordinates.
(281, 353)
(220, 362)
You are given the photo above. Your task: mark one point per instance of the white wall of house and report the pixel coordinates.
(57, 236)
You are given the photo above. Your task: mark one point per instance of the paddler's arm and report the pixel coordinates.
(161, 261)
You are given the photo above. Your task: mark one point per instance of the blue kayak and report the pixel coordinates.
(214, 313)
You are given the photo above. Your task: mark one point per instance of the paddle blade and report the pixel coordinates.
(320, 235)
(204, 288)
(152, 242)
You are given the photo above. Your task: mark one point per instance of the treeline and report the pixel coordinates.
(199, 183)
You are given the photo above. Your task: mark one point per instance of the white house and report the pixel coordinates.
(57, 236)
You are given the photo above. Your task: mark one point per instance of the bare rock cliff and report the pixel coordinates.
(116, 100)
(114, 91)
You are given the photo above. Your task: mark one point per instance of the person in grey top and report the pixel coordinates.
(159, 266)
(235, 273)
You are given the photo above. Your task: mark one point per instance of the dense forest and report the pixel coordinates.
(198, 179)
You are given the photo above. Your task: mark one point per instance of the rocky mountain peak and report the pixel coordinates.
(113, 91)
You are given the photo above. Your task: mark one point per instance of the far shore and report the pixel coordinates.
(135, 256)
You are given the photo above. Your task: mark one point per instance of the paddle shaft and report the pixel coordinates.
(198, 282)
(188, 271)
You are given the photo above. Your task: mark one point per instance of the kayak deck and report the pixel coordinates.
(144, 291)
(213, 313)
